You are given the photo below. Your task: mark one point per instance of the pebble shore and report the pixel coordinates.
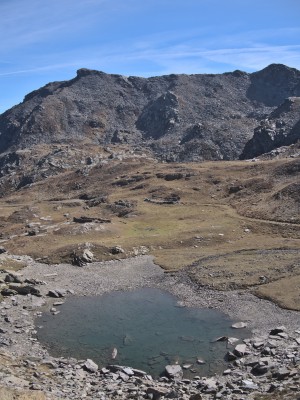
(268, 362)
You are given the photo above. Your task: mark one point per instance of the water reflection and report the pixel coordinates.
(145, 328)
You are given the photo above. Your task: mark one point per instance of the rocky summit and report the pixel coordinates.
(176, 117)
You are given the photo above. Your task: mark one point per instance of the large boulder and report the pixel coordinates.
(90, 366)
(174, 371)
(25, 290)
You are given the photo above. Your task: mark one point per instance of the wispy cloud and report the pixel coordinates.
(40, 69)
(47, 40)
(256, 57)
(185, 59)
(250, 50)
(26, 22)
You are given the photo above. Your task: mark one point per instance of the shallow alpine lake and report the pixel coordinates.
(147, 327)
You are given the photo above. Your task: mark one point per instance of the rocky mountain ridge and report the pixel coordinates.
(176, 117)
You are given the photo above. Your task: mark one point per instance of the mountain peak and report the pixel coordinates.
(86, 71)
(179, 117)
(277, 69)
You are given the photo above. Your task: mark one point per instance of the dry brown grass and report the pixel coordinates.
(222, 234)
(285, 291)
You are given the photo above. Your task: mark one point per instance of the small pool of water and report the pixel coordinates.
(146, 326)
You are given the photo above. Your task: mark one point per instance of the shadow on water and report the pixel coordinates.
(147, 328)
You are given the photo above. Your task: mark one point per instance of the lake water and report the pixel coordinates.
(146, 326)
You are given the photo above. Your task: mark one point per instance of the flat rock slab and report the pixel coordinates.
(90, 366)
(240, 350)
(174, 371)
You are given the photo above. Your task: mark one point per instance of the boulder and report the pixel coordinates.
(84, 219)
(139, 372)
(123, 376)
(25, 290)
(171, 176)
(105, 371)
(77, 260)
(230, 356)
(196, 396)
(260, 369)
(5, 341)
(283, 335)
(240, 350)
(8, 292)
(220, 339)
(156, 392)
(90, 366)
(232, 340)
(117, 250)
(210, 385)
(57, 293)
(12, 278)
(259, 343)
(174, 371)
(248, 384)
(281, 374)
(128, 371)
(239, 325)
(278, 329)
(87, 256)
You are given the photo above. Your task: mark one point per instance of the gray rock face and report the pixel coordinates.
(280, 128)
(179, 117)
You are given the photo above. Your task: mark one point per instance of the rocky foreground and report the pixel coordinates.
(268, 362)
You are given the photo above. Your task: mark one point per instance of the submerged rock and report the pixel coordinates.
(239, 325)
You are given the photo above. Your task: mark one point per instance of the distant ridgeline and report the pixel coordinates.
(177, 117)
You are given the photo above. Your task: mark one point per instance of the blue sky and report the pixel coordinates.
(48, 40)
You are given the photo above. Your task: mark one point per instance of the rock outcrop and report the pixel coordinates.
(280, 128)
(178, 117)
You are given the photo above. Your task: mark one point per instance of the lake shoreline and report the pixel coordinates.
(96, 279)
